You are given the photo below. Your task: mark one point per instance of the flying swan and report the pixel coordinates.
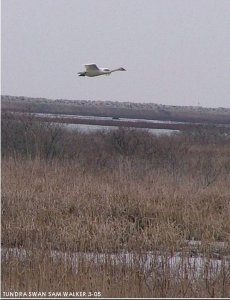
(93, 70)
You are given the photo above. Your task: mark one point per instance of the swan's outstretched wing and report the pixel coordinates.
(91, 67)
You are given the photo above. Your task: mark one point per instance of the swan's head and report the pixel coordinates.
(121, 69)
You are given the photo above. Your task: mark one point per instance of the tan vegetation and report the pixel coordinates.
(125, 190)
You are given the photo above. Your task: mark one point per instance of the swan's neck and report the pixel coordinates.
(114, 70)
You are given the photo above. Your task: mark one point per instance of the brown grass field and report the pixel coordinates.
(126, 190)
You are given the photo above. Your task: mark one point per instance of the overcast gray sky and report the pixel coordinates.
(176, 52)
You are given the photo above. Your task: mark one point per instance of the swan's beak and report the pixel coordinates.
(122, 69)
(81, 74)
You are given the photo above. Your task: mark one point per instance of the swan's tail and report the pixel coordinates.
(81, 74)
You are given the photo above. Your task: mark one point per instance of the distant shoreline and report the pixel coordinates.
(117, 110)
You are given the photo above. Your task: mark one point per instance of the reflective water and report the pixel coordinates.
(91, 128)
(105, 118)
(179, 265)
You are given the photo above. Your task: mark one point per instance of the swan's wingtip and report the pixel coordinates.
(89, 64)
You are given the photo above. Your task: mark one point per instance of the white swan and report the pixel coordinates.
(93, 70)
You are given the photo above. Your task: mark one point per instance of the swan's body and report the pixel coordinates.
(93, 70)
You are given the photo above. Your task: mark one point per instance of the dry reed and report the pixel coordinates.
(135, 203)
